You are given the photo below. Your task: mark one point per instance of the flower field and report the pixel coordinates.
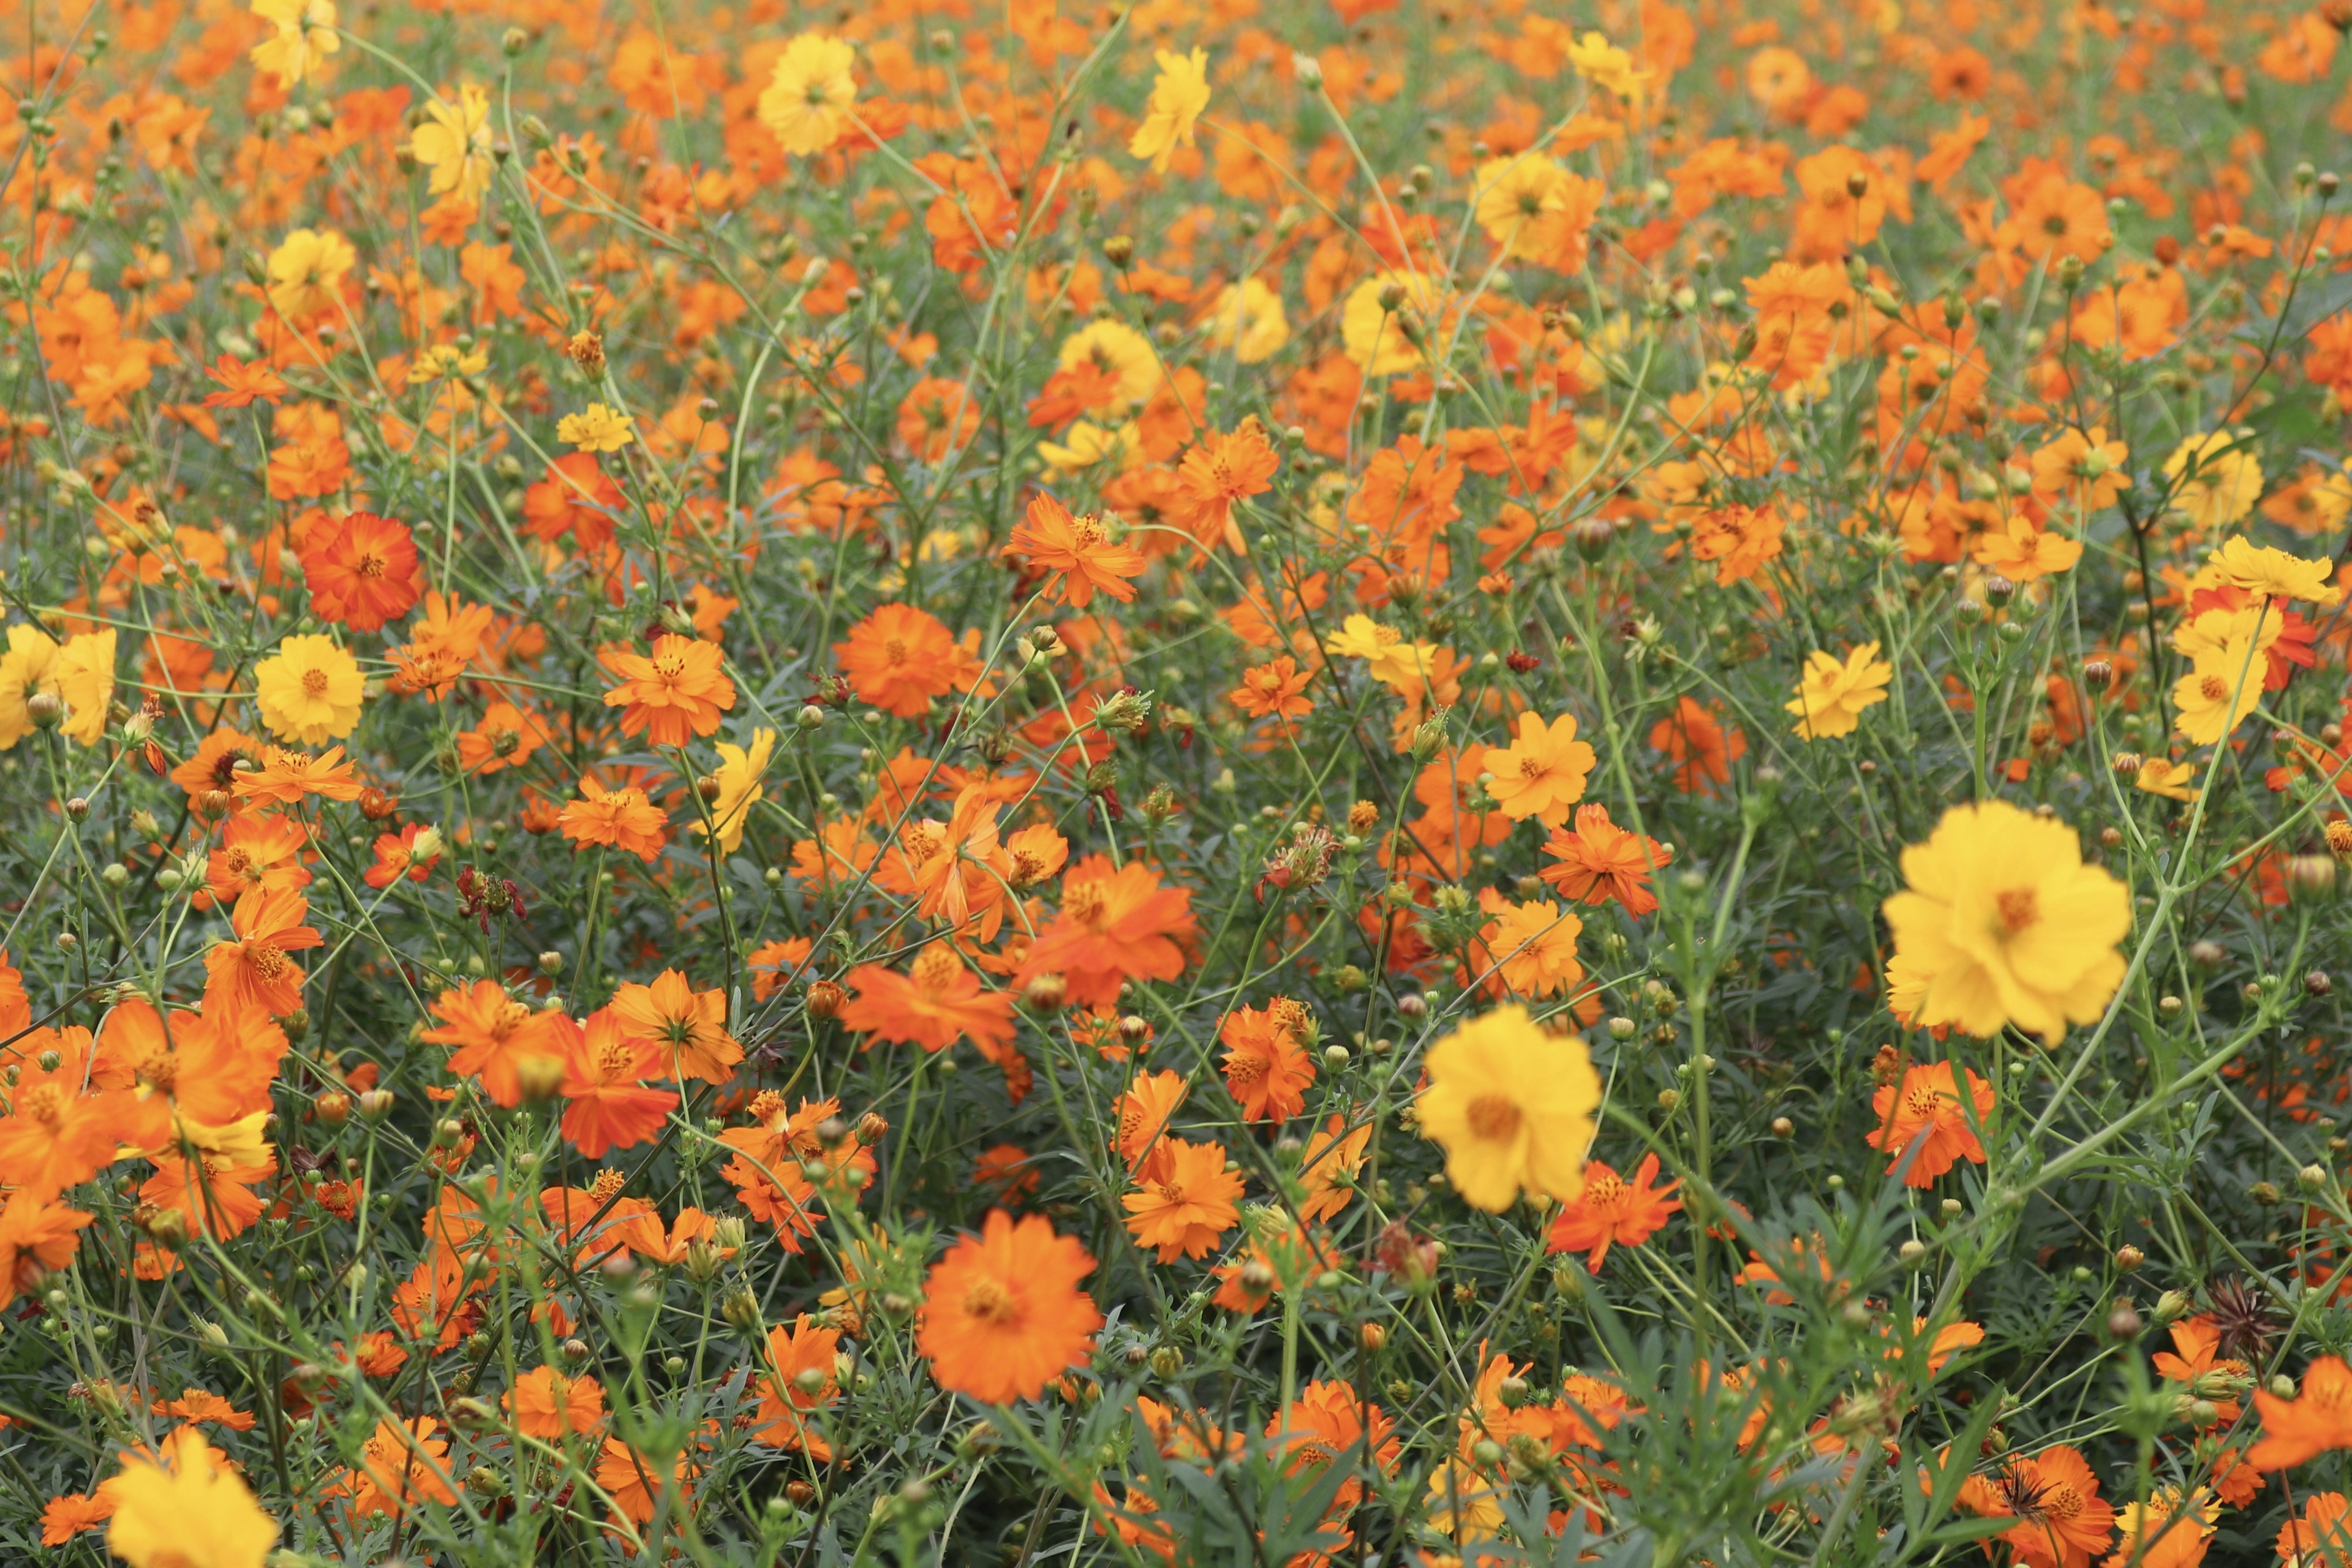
(1368, 783)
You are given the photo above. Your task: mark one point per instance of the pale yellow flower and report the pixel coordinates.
(1248, 321)
(1177, 95)
(305, 36)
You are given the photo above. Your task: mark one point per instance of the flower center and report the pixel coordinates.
(1242, 1070)
(370, 566)
(1494, 1117)
(2020, 908)
(987, 1299)
(894, 650)
(1085, 903)
(314, 682)
(45, 1103)
(1604, 1192)
(2213, 689)
(266, 961)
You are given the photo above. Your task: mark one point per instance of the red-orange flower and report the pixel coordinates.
(1600, 861)
(936, 1003)
(688, 1026)
(1117, 923)
(1612, 1210)
(1216, 475)
(494, 1035)
(547, 1404)
(1079, 551)
(363, 571)
(254, 968)
(899, 658)
(1925, 1113)
(604, 1073)
(2315, 1420)
(1267, 1068)
(797, 1383)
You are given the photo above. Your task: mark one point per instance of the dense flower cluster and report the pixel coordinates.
(1360, 782)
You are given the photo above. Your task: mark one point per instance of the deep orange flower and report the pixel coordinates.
(254, 968)
(1700, 745)
(2321, 1537)
(241, 383)
(1267, 1068)
(256, 851)
(2315, 1421)
(688, 1026)
(936, 1003)
(576, 497)
(1923, 1112)
(1216, 475)
(673, 695)
(1182, 1207)
(363, 571)
(1328, 1168)
(1600, 861)
(1003, 1314)
(406, 1462)
(505, 738)
(1612, 1210)
(1278, 688)
(494, 1035)
(604, 1072)
(1117, 923)
(36, 1239)
(216, 1196)
(2062, 1521)
(55, 1135)
(1328, 1418)
(787, 1398)
(545, 1404)
(289, 776)
(2198, 1364)
(398, 855)
(619, 819)
(1076, 549)
(899, 658)
(1148, 1100)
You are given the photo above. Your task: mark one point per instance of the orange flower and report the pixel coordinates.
(620, 818)
(363, 571)
(673, 696)
(2321, 1538)
(1265, 1067)
(1328, 1167)
(403, 1463)
(1003, 1314)
(1612, 1210)
(899, 658)
(603, 1077)
(1187, 1204)
(287, 777)
(1117, 923)
(255, 968)
(1218, 473)
(2062, 1521)
(1924, 1112)
(1150, 1100)
(1276, 688)
(2199, 1365)
(216, 1196)
(1077, 549)
(2317, 1420)
(1700, 745)
(1602, 861)
(799, 1382)
(1328, 1419)
(545, 1404)
(36, 1239)
(1739, 540)
(55, 1135)
(256, 851)
(689, 1025)
(505, 738)
(577, 496)
(494, 1035)
(66, 1515)
(936, 1003)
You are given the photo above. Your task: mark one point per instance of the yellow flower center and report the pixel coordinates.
(2019, 906)
(314, 682)
(2213, 689)
(265, 959)
(987, 1299)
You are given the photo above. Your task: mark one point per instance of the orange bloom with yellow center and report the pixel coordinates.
(1003, 1314)
(673, 695)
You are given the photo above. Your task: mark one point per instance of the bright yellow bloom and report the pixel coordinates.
(1513, 194)
(85, 676)
(306, 271)
(2218, 477)
(1541, 772)
(1388, 319)
(308, 690)
(739, 788)
(305, 36)
(438, 362)
(601, 429)
(1513, 1107)
(2262, 570)
(1086, 444)
(192, 1510)
(805, 105)
(2002, 924)
(29, 667)
(1606, 66)
(2220, 690)
(2161, 776)
(1832, 692)
(454, 144)
(1177, 95)
(1248, 321)
(1117, 348)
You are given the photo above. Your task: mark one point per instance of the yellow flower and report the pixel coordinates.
(1514, 192)
(1088, 444)
(1512, 1106)
(308, 690)
(2174, 781)
(1360, 637)
(1177, 95)
(2220, 690)
(85, 676)
(1118, 349)
(1832, 692)
(1387, 321)
(1604, 65)
(454, 143)
(601, 429)
(305, 36)
(29, 667)
(2262, 570)
(1541, 772)
(306, 272)
(2212, 631)
(2002, 924)
(739, 788)
(1247, 319)
(805, 105)
(192, 1510)
(448, 361)
(2217, 479)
